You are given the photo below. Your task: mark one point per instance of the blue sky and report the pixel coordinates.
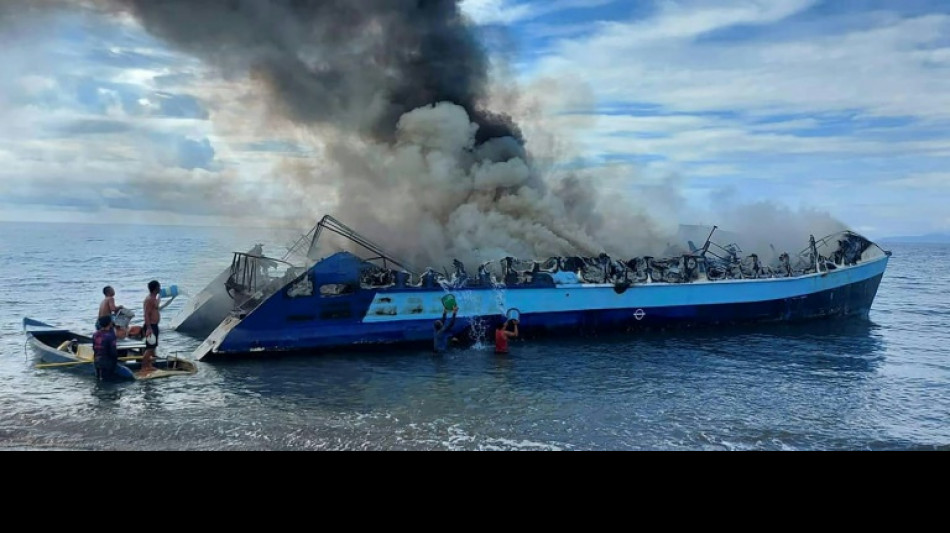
(838, 106)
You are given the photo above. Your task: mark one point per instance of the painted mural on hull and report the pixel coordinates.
(345, 300)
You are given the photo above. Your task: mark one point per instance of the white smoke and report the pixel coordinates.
(433, 195)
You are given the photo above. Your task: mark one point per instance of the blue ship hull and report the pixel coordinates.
(291, 320)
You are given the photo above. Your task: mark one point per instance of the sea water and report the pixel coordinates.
(882, 383)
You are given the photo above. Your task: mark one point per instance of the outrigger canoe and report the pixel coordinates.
(65, 349)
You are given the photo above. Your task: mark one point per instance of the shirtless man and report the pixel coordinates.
(153, 316)
(108, 307)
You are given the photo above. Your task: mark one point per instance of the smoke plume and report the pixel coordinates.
(395, 93)
(359, 64)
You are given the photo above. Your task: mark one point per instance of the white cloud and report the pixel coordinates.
(509, 11)
(685, 20)
(495, 11)
(875, 69)
(929, 181)
(740, 89)
(692, 138)
(117, 216)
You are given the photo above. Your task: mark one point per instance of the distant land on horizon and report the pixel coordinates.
(928, 238)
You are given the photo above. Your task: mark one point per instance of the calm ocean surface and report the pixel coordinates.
(839, 385)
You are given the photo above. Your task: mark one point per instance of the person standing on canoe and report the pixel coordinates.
(153, 316)
(443, 331)
(105, 352)
(502, 335)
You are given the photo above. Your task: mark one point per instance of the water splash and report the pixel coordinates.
(499, 291)
(478, 330)
(470, 300)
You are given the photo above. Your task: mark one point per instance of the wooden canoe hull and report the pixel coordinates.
(67, 350)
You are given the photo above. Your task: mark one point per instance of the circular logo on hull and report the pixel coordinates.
(639, 314)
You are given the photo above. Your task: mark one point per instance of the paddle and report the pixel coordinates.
(70, 363)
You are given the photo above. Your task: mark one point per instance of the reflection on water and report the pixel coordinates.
(107, 393)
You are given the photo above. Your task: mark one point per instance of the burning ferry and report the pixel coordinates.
(344, 300)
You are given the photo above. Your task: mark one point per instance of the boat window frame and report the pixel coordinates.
(289, 289)
(344, 289)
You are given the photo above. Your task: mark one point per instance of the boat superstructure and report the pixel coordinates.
(203, 312)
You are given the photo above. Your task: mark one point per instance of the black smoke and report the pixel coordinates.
(359, 64)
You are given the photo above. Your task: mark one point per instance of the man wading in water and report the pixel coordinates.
(502, 335)
(106, 355)
(443, 331)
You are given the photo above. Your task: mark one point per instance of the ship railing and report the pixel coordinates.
(299, 248)
(254, 277)
(838, 249)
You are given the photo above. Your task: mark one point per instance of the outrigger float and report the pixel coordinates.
(344, 300)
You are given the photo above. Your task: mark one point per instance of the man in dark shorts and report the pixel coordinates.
(105, 352)
(152, 318)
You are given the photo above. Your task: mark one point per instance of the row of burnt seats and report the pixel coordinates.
(603, 269)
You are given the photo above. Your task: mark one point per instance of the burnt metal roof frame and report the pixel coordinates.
(341, 229)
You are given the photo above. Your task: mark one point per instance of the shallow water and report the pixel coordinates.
(845, 384)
